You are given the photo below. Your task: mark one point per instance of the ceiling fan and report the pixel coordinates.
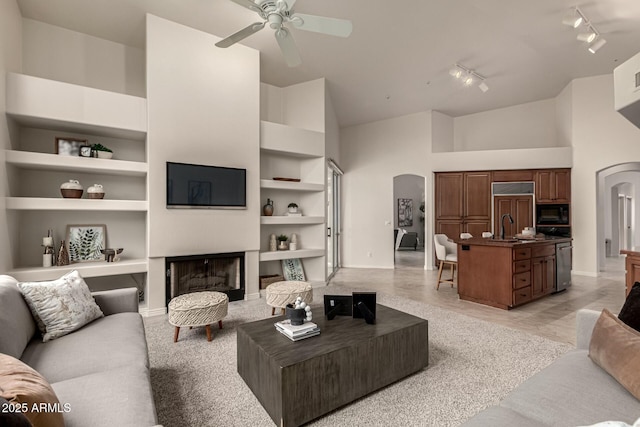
(277, 13)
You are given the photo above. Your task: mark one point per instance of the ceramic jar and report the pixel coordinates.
(71, 189)
(95, 192)
(267, 210)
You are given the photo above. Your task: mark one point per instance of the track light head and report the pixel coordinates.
(456, 72)
(483, 86)
(597, 45)
(468, 79)
(573, 18)
(588, 36)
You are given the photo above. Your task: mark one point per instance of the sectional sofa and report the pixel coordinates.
(99, 372)
(572, 391)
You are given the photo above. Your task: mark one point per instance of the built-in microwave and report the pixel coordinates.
(552, 214)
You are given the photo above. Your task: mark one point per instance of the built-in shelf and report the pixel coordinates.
(61, 204)
(54, 162)
(49, 104)
(86, 269)
(291, 141)
(300, 253)
(290, 185)
(284, 220)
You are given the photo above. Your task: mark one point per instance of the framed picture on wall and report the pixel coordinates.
(405, 212)
(69, 146)
(84, 242)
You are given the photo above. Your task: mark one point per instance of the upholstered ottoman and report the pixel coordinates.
(279, 294)
(198, 309)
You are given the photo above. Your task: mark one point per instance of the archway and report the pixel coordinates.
(617, 197)
(409, 221)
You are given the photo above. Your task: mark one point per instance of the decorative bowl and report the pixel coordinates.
(295, 315)
(71, 194)
(104, 154)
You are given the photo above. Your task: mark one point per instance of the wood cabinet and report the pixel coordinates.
(519, 175)
(506, 274)
(463, 203)
(632, 267)
(521, 210)
(543, 270)
(553, 186)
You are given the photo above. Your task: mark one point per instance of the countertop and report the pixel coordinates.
(513, 242)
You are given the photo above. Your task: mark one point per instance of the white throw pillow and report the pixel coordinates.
(63, 305)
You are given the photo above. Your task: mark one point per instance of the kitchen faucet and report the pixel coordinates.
(507, 215)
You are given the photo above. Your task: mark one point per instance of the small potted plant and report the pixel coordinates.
(282, 242)
(293, 208)
(101, 151)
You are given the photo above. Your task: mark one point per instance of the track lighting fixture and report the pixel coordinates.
(574, 18)
(468, 77)
(590, 34)
(597, 45)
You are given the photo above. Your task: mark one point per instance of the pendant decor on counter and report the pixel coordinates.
(267, 210)
(63, 255)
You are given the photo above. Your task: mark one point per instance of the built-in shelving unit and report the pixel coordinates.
(295, 153)
(44, 109)
(87, 270)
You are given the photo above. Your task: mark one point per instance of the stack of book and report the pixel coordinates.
(297, 332)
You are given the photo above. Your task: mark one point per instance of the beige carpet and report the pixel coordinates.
(473, 364)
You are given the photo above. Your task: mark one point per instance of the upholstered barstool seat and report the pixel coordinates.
(198, 309)
(279, 294)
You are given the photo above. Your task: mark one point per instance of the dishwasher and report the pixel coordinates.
(563, 265)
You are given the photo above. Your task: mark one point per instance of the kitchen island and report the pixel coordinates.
(506, 273)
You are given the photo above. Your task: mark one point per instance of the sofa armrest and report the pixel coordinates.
(585, 321)
(117, 300)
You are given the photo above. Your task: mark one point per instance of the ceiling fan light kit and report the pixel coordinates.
(469, 77)
(591, 35)
(278, 14)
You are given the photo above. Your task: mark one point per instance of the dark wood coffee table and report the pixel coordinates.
(299, 381)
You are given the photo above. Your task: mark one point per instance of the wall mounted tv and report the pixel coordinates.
(202, 186)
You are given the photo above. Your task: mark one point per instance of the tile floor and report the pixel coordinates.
(552, 317)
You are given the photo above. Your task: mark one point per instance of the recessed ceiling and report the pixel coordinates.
(397, 59)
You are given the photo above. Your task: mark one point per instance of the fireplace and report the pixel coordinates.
(213, 272)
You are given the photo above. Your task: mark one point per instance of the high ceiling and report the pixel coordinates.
(397, 59)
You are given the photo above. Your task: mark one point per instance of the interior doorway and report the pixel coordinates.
(409, 219)
(334, 176)
(617, 215)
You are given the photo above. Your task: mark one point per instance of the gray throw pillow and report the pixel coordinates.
(63, 305)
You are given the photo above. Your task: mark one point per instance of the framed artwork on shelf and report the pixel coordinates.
(405, 212)
(69, 146)
(84, 242)
(292, 269)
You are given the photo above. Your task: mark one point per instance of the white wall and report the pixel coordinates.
(371, 155)
(68, 56)
(441, 132)
(10, 61)
(204, 108)
(530, 125)
(601, 138)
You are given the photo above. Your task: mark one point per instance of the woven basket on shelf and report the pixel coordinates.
(269, 279)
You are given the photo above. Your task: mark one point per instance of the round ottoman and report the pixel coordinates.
(198, 309)
(279, 294)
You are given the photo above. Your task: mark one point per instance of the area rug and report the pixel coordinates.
(473, 364)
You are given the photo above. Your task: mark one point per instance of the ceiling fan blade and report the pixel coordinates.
(321, 24)
(243, 33)
(288, 47)
(249, 5)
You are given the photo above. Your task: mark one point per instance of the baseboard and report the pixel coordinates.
(145, 312)
(586, 273)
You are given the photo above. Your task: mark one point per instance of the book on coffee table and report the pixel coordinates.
(297, 331)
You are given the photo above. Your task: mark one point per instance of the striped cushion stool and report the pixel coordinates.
(279, 294)
(198, 309)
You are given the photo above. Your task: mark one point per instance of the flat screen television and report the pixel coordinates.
(203, 186)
